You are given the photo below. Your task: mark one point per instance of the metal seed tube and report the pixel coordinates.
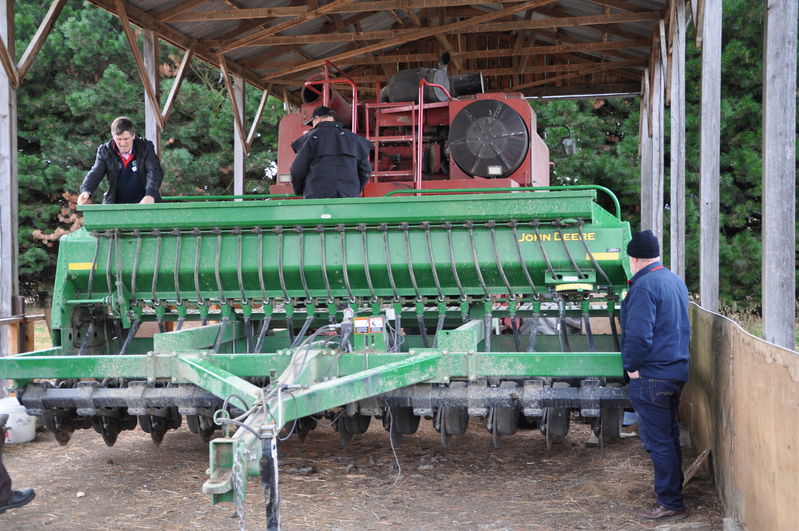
(218, 233)
(362, 228)
(384, 228)
(426, 227)
(260, 234)
(454, 268)
(157, 265)
(197, 249)
(301, 237)
(491, 226)
(404, 227)
(523, 264)
(470, 227)
(176, 276)
(237, 232)
(343, 239)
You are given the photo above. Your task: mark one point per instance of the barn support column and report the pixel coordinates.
(677, 177)
(658, 139)
(152, 114)
(239, 142)
(710, 157)
(645, 149)
(779, 173)
(9, 208)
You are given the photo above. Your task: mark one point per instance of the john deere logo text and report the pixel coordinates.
(557, 237)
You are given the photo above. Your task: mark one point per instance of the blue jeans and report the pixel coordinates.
(656, 402)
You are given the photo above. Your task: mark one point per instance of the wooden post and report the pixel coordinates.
(239, 142)
(677, 177)
(710, 156)
(658, 137)
(646, 157)
(152, 114)
(779, 173)
(9, 210)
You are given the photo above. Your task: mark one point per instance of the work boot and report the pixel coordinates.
(18, 499)
(659, 513)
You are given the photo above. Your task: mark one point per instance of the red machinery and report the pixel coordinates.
(475, 141)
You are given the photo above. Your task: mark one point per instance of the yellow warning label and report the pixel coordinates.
(574, 287)
(602, 256)
(80, 266)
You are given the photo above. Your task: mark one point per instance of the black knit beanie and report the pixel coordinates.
(643, 245)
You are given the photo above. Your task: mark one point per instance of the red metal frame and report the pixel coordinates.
(418, 167)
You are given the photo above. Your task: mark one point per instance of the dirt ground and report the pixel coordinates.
(470, 485)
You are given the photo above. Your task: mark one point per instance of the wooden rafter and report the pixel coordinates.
(169, 34)
(167, 14)
(420, 34)
(481, 54)
(237, 116)
(137, 56)
(340, 8)
(179, 77)
(619, 4)
(38, 39)
(8, 65)
(320, 11)
(515, 43)
(602, 67)
(468, 26)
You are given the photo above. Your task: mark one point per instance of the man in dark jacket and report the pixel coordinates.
(129, 162)
(654, 351)
(9, 499)
(331, 161)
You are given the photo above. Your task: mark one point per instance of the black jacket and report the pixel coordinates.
(331, 162)
(106, 165)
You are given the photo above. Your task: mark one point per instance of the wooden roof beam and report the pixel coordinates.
(467, 26)
(166, 14)
(421, 34)
(169, 34)
(271, 30)
(486, 54)
(619, 4)
(302, 10)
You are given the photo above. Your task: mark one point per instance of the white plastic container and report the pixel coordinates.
(20, 427)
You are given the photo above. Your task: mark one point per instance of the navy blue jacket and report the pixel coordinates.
(331, 162)
(655, 326)
(108, 164)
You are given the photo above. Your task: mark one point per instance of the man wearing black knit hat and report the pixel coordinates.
(654, 351)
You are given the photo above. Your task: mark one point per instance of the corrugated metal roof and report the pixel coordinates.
(539, 47)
